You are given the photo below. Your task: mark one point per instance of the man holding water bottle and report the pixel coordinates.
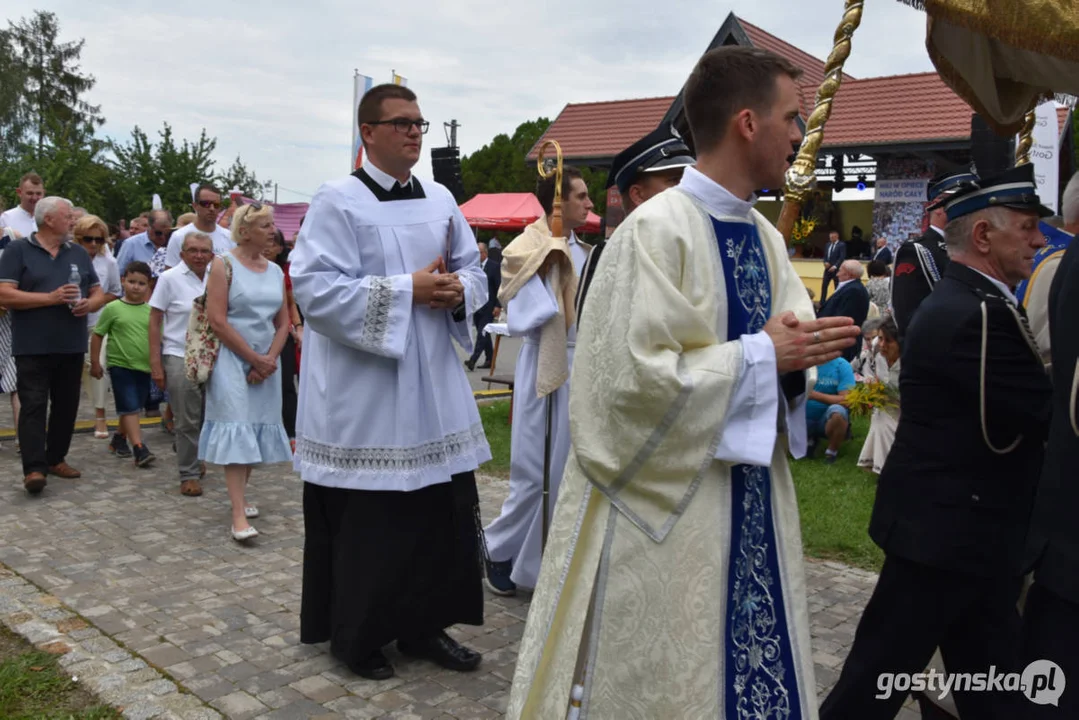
(49, 284)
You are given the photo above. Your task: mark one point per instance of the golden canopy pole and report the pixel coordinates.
(1026, 139)
(556, 230)
(801, 176)
(556, 214)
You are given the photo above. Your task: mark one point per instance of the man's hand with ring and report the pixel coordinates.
(800, 345)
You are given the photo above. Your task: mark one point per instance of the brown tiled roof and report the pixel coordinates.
(892, 110)
(603, 129)
(897, 109)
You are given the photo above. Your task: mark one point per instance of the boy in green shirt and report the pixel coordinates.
(126, 322)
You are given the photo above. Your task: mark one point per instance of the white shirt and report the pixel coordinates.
(1004, 289)
(222, 241)
(108, 274)
(176, 290)
(843, 284)
(18, 219)
(384, 180)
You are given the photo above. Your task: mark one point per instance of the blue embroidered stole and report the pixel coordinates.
(758, 662)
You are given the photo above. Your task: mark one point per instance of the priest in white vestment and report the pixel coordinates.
(672, 584)
(534, 305)
(387, 274)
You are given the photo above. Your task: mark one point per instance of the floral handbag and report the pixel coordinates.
(202, 345)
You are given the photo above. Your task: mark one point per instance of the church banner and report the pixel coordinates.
(894, 191)
(1044, 154)
(361, 84)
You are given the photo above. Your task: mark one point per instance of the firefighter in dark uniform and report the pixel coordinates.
(919, 264)
(644, 169)
(954, 498)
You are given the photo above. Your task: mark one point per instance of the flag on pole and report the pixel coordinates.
(361, 85)
(398, 80)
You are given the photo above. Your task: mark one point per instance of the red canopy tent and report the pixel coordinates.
(511, 211)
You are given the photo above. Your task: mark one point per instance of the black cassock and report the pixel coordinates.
(1051, 616)
(953, 502)
(919, 265)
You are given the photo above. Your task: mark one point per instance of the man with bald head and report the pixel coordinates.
(142, 247)
(850, 299)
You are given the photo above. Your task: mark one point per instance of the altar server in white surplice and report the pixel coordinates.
(672, 584)
(539, 308)
(387, 274)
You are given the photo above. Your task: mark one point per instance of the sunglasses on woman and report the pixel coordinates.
(96, 239)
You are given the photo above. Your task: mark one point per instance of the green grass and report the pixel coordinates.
(34, 687)
(835, 501)
(495, 418)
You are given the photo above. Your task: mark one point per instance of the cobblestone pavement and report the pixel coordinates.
(159, 574)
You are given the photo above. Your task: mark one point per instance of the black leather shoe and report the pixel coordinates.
(442, 650)
(470, 364)
(485, 366)
(375, 667)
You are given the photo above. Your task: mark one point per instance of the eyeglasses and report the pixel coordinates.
(159, 233)
(198, 251)
(403, 125)
(209, 204)
(255, 206)
(92, 239)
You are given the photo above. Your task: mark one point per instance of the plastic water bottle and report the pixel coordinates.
(75, 278)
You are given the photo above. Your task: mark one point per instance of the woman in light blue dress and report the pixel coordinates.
(242, 425)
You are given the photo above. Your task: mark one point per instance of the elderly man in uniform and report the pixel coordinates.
(643, 170)
(954, 499)
(919, 264)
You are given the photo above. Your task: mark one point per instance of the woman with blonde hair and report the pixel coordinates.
(92, 234)
(249, 315)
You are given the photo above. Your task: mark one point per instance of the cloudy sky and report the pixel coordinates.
(274, 84)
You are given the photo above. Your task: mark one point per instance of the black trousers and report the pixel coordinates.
(483, 341)
(45, 379)
(915, 609)
(288, 387)
(1051, 632)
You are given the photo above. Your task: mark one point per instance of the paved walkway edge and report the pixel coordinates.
(112, 673)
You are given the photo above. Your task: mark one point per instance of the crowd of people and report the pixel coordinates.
(109, 311)
(666, 378)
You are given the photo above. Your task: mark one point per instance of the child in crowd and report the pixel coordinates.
(126, 324)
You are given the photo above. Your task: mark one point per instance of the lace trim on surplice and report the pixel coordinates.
(391, 460)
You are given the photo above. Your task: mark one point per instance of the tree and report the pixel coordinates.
(53, 83)
(239, 176)
(166, 169)
(13, 120)
(46, 126)
(500, 166)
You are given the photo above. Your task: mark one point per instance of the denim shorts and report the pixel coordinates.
(130, 388)
(816, 430)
